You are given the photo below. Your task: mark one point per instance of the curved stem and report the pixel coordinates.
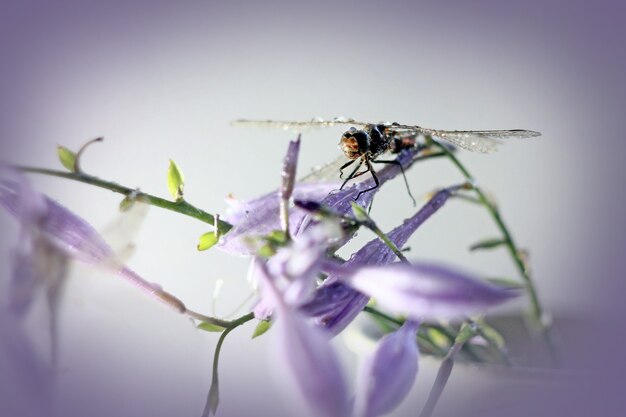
(181, 206)
(441, 380)
(213, 397)
(536, 308)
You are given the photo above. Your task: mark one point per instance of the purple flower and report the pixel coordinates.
(386, 376)
(290, 165)
(341, 312)
(340, 201)
(38, 264)
(428, 291)
(299, 264)
(256, 218)
(308, 359)
(52, 232)
(31, 377)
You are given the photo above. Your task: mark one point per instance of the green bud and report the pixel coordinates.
(67, 158)
(261, 328)
(175, 181)
(207, 241)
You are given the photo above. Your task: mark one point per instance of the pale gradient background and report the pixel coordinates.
(162, 80)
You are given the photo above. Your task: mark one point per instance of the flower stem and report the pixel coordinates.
(213, 397)
(536, 309)
(423, 339)
(181, 206)
(441, 380)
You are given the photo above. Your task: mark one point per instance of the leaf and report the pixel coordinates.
(491, 335)
(359, 213)
(277, 237)
(438, 337)
(126, 204)
(207, 241)
(175, 181)
(67, 158)
(261, 328)
(466, 332)
(488, 244)
(210, 327)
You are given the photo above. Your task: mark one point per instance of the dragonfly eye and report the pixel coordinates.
(351, 143)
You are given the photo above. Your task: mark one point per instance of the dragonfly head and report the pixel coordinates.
(354, 143)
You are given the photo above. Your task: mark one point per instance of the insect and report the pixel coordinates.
(364, 143)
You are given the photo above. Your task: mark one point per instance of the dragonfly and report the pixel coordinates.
(363, 143)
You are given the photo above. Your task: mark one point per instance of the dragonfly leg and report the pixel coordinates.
(406, 182)
(352, 174)
(376, 182)
(344, 166)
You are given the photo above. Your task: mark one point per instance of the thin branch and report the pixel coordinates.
(182, 206)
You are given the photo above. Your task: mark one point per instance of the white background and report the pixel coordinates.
(162, 81)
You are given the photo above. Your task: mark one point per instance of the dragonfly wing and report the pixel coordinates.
(330, 172)
(484, 141)
(297, 126)
(471, 142)
(326, 172)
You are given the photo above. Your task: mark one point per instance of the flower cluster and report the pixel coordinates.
(307, 315)
(306, 292)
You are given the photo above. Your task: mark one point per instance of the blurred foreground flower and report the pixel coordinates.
(50, 231)
(288, 279)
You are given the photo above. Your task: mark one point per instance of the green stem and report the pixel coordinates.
(365, 220)
(536, 308)
(181, 206)
(424, 340)
(433, 155)
(382, 315)
(382, 236)
(213, 397)
(504, 357)
(445, 369)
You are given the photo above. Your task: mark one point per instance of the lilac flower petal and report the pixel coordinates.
(290, 164)
(341, 200)
(426, 291)
(59, 226)
(328, 300)
(31, 377)
(72, 236)
(309, 360)
(374, 252)
(261, 216)
(262, 310)
(386, 377)
(25, 279)
(312, 364)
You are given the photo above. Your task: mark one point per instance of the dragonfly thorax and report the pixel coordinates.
(370, 142)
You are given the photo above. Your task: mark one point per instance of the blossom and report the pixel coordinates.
(29, 374)
(308, 359)
(341, 311)
(428, 290)
(37, 264)
(51, 230)
(386, 376)
(260, 216)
